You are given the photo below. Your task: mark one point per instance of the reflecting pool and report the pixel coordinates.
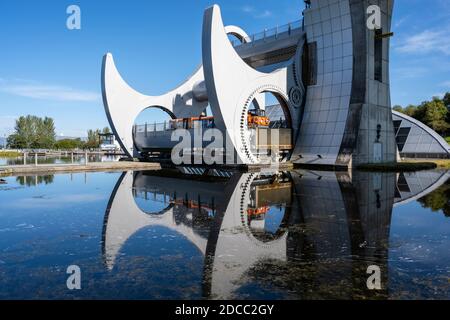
(193, 233)
(63, 159)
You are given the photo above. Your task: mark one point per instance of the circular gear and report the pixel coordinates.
(296, 96)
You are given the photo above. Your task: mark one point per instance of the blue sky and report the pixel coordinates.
(48, 70)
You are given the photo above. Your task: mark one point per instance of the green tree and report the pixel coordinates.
(46, 133)
(398, 108)
(434, 114)
(69, 144)
(447, 99)
(33, 132)
(93, 140)
(106, 130)
(412, 111)
(438, 200)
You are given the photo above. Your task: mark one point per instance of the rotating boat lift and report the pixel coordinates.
(225, 82)
(321, 76)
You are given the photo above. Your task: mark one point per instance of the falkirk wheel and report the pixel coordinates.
(328, 73)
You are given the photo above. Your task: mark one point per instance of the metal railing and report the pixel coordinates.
(168, 126)
(270, 33)
(156, 127)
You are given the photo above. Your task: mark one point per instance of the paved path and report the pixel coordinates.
(65, 168)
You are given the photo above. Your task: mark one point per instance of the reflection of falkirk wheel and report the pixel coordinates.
(330, 75)
(124, 218)
(229, 240)
(331, 217)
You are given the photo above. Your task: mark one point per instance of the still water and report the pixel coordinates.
(78, 159)
(197, 234)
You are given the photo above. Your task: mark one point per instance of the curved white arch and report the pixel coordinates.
(123, 104)
(237, 246)
(124, 218)
(238, 33)
(232, 84)
(234, 244)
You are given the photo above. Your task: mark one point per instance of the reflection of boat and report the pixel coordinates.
(338, 224)
(255, 212)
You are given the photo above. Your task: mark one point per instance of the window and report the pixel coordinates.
(402, 136)
(310, 64)
(397, 124)
(378, 55)
(402, 184)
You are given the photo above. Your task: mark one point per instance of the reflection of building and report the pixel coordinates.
(412, 186)
(328, 72)
(314, 233)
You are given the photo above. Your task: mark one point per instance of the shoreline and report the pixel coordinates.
(406, 166)
(6, 171)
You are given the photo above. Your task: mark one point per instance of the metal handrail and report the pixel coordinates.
(269, 33)
(165, 126)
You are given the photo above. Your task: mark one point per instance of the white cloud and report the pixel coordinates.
(409, 72)
(47, 92)
(401, 21)
(439, 95)
(256, 13)
(427, 41)
(248, 9)
(445, 84)
(264, 14)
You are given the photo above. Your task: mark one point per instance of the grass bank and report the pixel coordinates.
(406, 166)
(447, 139)
(10, 154)
(440, 163)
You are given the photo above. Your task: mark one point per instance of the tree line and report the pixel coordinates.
(32, 132)
(434, 113)
(438, 200)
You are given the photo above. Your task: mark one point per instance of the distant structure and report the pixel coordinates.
(328, 72)
(108, 142)
(416, 140)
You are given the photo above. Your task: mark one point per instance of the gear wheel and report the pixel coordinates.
(296, 96)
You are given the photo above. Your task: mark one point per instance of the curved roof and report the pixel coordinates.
(427, 129)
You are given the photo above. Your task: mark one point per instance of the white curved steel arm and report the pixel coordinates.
(123, 104)
(232, 84)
